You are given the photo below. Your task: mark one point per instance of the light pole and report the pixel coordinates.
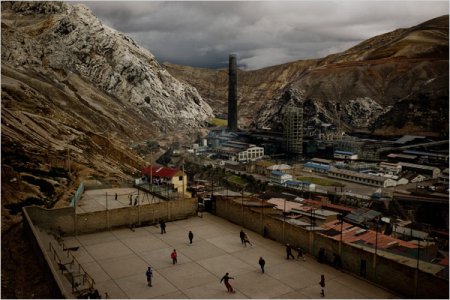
(242, 206)
(376, 248)
(284, 221)
(417, 270)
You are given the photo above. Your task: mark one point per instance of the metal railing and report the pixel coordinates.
(85, 277)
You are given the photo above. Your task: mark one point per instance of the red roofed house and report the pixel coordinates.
(165, 175)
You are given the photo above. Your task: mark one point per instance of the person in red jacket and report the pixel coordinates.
(174, 256)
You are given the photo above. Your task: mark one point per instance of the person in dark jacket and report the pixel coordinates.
(322, 285)
(289, 252)
(225, 279)
(149, 275)
(300, 253)
(162, 224)
(191, 237)
(242, 236)
(261, 263)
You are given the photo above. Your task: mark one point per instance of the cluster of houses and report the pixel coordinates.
(383, 174)
(362, 226)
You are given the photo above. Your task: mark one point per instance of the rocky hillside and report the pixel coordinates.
(394, 83)
(76, 90)
(76, 95)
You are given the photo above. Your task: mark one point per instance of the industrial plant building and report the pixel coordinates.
(293, 130)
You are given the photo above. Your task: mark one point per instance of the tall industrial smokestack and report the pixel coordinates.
(232, 94)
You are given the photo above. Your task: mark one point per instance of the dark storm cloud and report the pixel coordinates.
(261, 33)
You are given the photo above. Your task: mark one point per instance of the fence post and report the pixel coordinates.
(107, 212)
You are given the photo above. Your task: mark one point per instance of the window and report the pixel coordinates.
(180, 178)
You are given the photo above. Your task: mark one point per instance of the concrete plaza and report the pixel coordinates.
(100, 199)
(118, 259)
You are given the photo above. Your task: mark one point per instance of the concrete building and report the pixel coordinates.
(362, 178)
(279, 177)
(251, 153)
(316, 167)
(430, 171)
(429, 156)
(300, 185)
(293, 129)
(390, 168)
(321, 161)
(443, 177)
(345, 155)
(401, 157)
(230, 149)
(282, 167)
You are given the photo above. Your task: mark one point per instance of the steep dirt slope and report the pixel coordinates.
(75, 96)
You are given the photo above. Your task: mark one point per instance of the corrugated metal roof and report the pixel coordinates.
(350, 235)
(343, 152)
(159, 171)
(408, 138)
(424, 167)
(282, 203)
(313, 165)
(279, 167)
(280, 173)
(405, 156)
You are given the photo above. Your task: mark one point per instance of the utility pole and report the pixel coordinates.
(182, 176)
(376, 249)
(340, 218)
(416, 284)
(284, 221)
(242, 206)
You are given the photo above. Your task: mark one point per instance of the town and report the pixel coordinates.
(371, 207)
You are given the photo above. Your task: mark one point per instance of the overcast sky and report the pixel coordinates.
(262, 34)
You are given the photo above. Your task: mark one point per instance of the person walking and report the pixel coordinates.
(162, 224)
(225, 279)
(131, 201)
(173, 255)
(149, 275)
(190, 236)
(115, 197)
(246, 240)
(289, 252)
(322, 285)
(242, 235)
(300, 253)
(261, 263)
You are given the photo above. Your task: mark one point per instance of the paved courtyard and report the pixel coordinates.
(98, 200)
(118, 259)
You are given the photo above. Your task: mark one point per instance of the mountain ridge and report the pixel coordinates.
(367, 79)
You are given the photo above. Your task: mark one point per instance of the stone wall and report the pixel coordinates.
(71, 223)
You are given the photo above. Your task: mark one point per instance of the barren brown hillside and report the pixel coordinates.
(371, 81)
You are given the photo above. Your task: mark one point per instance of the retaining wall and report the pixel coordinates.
(389, 273)
(49, 273)
(71, 223)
